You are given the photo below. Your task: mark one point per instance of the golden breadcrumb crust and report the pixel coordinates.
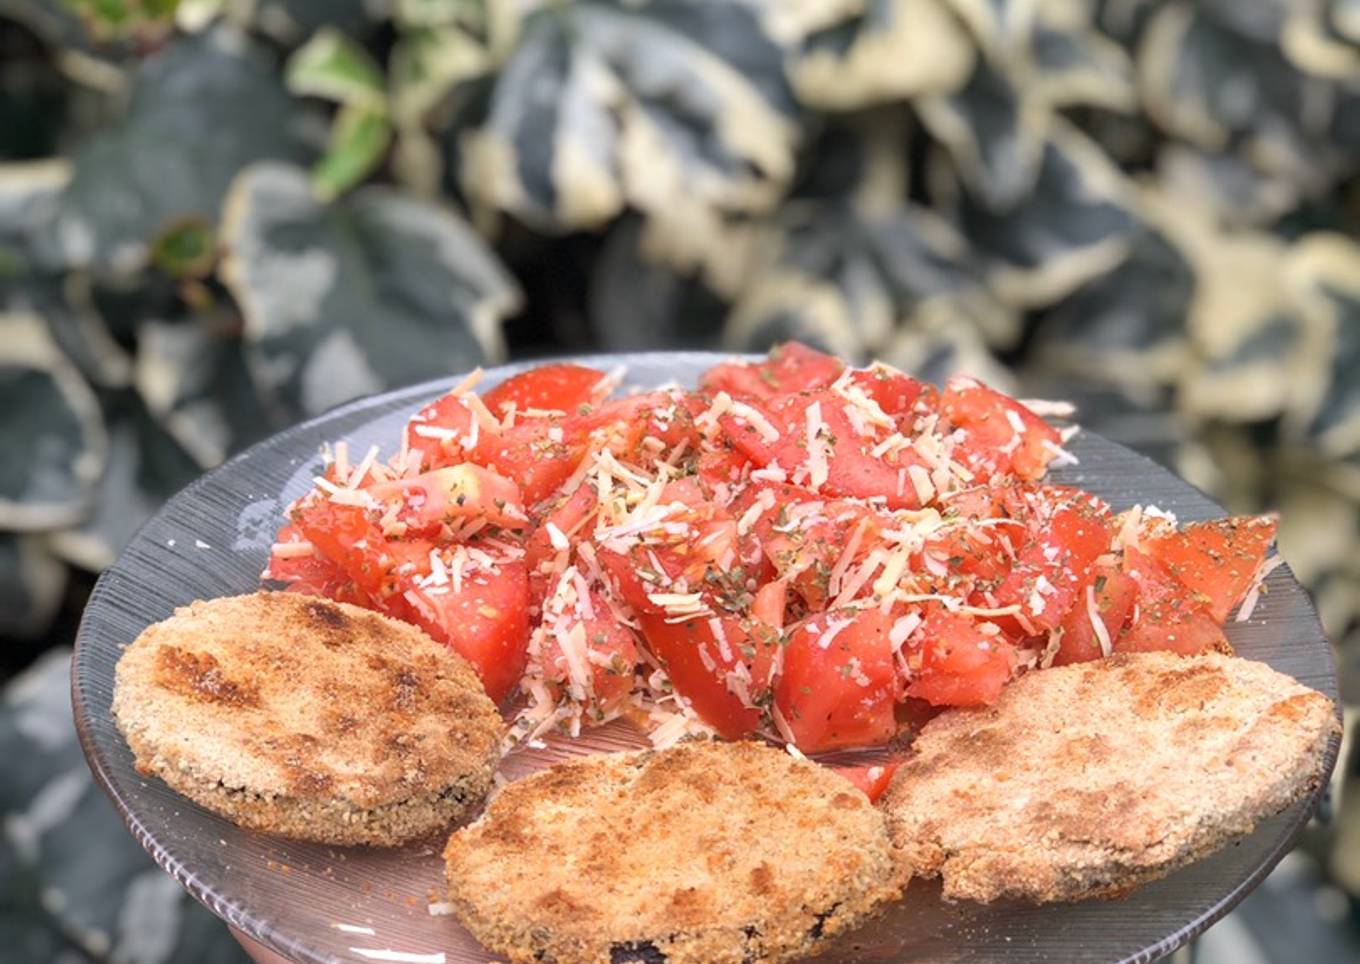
(1091, 779)
(307, 718)
(705, 852)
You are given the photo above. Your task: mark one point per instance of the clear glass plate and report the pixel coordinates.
(316, 903)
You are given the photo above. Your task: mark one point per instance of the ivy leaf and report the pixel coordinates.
(333, 67)
(32, 581)
(680, 110)
(51, 420)
(881, 50)
(193, 377)
(1324, 269)
(850, 281)
(359, 141)
(1075, 225)
(994, 131)
(1126, 327)
(200, 109)
(370, 292)
(145, 467)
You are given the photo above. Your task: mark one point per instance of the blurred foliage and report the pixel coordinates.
(218, 216)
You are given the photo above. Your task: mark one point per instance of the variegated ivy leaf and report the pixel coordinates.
(1239, 193)
(860, 157)
(65, 305)
(637, 304)
(1324, 272)
(994, 129)
(359, 140)
(370, 292)
(200, 109)
(1074, 225)
(29, 193)
(31, 584)
(1255, 352)
(679, 109)
(50, 420)
(937, 347)
(193, 377)
(1126, 327)
(1072, 65)
(1213, 86)
(145, 467)
(1323, 37)
(851, 281)
(999, 26)
(290, 22)
(881, 50)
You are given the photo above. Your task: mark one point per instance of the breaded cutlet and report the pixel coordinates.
(311, 719)
(705, 852)
(1090, 779)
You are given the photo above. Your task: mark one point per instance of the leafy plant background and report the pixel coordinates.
(221, 216)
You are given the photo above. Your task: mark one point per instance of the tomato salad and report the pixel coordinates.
(799, 549)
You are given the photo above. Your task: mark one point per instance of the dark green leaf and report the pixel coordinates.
(373, 291)
(290, 22)
(52, 427)
(186, 248)
(200, 109)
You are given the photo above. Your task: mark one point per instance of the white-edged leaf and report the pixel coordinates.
(373, 291)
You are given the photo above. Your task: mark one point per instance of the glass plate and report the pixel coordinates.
(317, 903)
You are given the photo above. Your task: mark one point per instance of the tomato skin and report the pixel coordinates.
(487, 623)
(445, 432)
(538, 458)
(790, 367)
(560, 387)
(851, 471)
(1068, 531)
(604, 635)
(1216, 560)
(1166, 616)
(870, 779)
(698, 663)
(982, 413)
(840, 695)
(895, 393)
(455, 492)
(959, 664)
(1114, 593)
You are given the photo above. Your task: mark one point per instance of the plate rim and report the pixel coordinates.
(263, 928)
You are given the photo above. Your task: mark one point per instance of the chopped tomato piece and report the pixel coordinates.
(1069, 529)
(559, 387)
(895, 393)
(838, 681)
(537, 453)
(721, 664)
(957, 663)
(446, 495)
(1113, 595)
(791, 367)
(309, 573)
(871, 779)
(768, 606)
(446, 431)
(1166, 616)
(486, 622)
(1216, 560)
(349, 539)
(601, 650)
(1002, 434)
